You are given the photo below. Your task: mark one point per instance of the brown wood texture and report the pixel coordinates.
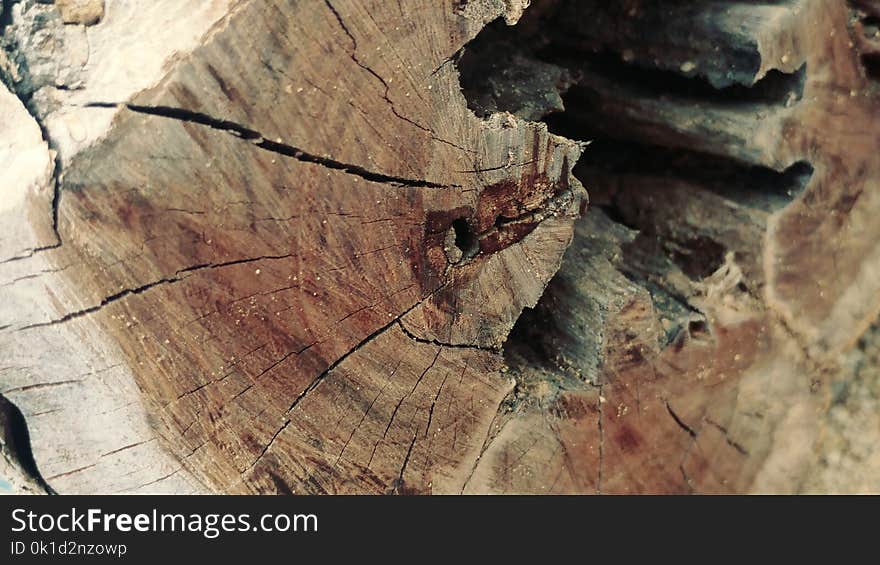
(286, 247)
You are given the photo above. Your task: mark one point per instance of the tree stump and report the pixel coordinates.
(286, 247)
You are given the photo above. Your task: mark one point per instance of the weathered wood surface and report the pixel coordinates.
(256, 283)
(268, 247)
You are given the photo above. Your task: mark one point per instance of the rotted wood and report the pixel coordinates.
(285, 246)
(692, 340)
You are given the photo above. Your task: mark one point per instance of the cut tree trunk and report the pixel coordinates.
(278, 246)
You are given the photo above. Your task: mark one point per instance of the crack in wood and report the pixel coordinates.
(418, 339)
(385, 85)
(690, 431)
(258, 140)
(177, 277)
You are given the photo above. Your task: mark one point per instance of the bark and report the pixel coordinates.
(285, 246)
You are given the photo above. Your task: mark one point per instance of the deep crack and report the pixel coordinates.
(15, 443)
(260, 141)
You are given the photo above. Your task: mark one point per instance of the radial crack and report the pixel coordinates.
(177, 277)
(260, 141)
